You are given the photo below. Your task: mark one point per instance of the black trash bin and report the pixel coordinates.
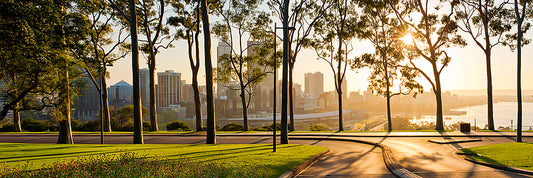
(465, 127)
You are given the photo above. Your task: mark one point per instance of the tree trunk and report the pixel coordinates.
(211, 132)
(105, 104)
(339, 93)
(197, 102)
(284, 134)
(16, 119)
(519, 82)
(65, 130)
(490, 111)
(137, 116)
(291, 99)
(153, 108)
(244, 109)
(439, 125)
(389, 116)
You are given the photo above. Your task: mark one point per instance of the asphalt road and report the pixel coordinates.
(347, 159)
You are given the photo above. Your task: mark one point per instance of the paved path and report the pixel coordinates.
(346, 159)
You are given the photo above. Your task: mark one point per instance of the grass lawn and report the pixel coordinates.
(241, 156)
(515, 154)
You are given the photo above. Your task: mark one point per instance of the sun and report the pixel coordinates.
(407, 39)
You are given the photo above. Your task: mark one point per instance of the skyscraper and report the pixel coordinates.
(222, 49)
(169, 87)
(120, 94)
(88, 105)
(144, 77)
(314, 83)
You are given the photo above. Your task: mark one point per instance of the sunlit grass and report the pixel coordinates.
(515, 154)
(36, 156)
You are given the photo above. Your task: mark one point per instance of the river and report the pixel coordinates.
(504, 114)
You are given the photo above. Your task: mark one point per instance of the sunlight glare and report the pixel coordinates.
(407, 39)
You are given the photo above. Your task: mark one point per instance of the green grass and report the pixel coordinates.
(35, 156)
(515, 154)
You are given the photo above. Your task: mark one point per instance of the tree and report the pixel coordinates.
(189, 20)
(333, 42)
(303, 16)
(37, 62)
(132, 20)
(250, 24)
(485, 22)
(151, 25)
(101, 48)
(430, 35)
(522, 10)
(211, 132)
(380, 28)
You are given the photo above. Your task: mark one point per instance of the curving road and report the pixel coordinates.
(347, 159)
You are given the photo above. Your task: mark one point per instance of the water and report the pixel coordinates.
(504, 112)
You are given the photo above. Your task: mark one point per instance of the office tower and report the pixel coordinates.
(144, 80)
(187, 93)
(88, 105)
(314, 83)
(222, 49)
(120, 94)
(169, 87)
(344, 88)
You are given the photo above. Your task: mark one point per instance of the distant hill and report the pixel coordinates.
(482, 92)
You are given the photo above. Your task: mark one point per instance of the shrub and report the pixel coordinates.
(88, 126)
(33, 125)
(7, 128)
(317, 127)
(233, 127)
(177, 125)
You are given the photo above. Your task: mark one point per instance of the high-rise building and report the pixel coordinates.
(120, 94)
(223, 48)
(344, 87)
(169, 87)
(88, 104)
(144, 80)
(314, 83)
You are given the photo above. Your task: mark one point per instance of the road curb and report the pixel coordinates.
(298, 169)
(392, 164)
(453, 141)
(496, 166)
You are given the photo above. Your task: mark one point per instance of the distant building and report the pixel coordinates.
(88, 105)
(120, 94)
(169, 87)
(144, 81)
(314, 84)
(187, 93)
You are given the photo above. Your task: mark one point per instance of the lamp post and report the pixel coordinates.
(275, 81)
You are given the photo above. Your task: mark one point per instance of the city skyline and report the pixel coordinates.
(463, 73)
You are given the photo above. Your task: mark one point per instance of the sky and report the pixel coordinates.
(466, 71)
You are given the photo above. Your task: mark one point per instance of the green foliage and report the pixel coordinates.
(384, 31)
(122, 119)
(178, 125)
(87, 126)
(232, 127)
(317, 127)
(32, 125)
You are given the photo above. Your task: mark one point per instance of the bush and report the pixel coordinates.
(233, 127)
(317, 127)
(177, 125)
(33, 125)
(7, 128)
(146, 126)
(88, 126)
